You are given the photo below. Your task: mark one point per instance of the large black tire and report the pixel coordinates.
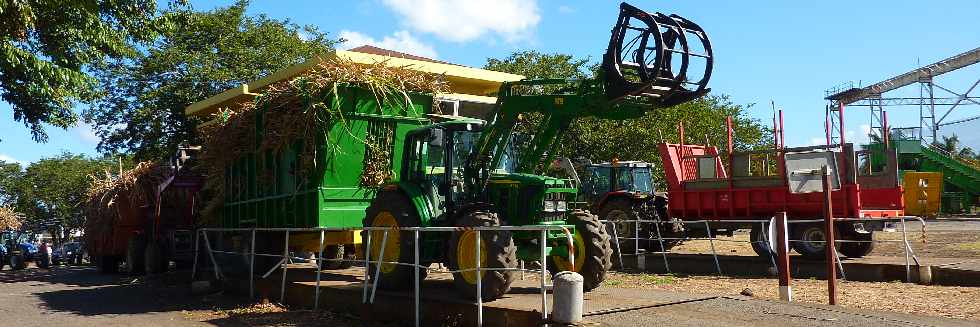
(497, 250)
(759, 236)
(855, 249)
(593, 251)
(155, 259)
(392, 209)
(135, 251)
(17, 262)
(622, 210)
(108, 264)
(335, 253)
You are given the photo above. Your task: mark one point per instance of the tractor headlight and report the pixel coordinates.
(549, 206)
(561, 206)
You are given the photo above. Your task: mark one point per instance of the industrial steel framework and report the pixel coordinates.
(929, 119)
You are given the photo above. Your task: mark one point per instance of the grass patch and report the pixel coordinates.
(660, 279)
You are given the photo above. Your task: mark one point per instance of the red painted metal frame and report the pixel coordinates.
(724, 199)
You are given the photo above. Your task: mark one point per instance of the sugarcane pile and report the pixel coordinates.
(9, 219)
(102, 199)
(305, 108)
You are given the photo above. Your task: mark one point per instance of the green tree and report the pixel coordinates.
(10, 177)
(51, 190)
(47, 48)
(203, 54)
(636, 139)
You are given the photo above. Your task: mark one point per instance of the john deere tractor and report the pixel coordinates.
(467, 173)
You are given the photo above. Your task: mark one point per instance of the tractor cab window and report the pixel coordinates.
(624, 179)
(599, 180)
(642, 180)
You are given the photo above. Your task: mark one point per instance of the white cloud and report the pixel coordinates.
(818, 141)
(8, 159)
(565, 9)
(402, 41)
(86, 133)
(466, 20)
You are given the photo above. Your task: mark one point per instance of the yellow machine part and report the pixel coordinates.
(310, 241)
(922, 193)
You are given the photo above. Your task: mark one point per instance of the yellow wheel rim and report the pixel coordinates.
(392, 245)
(466, 255)
(563, 263)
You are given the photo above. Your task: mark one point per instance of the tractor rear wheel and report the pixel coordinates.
(17, 262)
(392, 209)
(593, 251)
(135, 251)
(497, 250)
(618, 210)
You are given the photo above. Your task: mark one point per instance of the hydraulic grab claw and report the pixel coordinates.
(666, 58)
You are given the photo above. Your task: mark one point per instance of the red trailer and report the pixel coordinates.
(157, 228)
(704, 184)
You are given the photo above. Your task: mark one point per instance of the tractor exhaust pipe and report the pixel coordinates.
(664, 58)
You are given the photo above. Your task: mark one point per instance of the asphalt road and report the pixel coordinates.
(83, 297)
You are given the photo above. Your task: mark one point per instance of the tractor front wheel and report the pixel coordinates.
(392, 209)
(593, 252)
(17, 262)
(497, 250)
(333, 254)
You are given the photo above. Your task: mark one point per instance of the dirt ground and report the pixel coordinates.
(938, 241)
(940, 301)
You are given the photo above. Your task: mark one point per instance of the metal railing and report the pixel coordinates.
(370, 282)
(657, 236)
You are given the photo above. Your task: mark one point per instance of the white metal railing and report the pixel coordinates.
(368, 297)
(658, 237)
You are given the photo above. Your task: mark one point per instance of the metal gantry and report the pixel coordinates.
(929, 119)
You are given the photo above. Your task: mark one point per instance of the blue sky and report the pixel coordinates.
(783, 51)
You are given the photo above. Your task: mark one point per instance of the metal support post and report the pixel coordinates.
(197, 251)
(619, 250)
(905, 240)
(711, 239)
(663, 248)
(319, 269)
(367, 267)
(829, 238)
(782, 253)
(251, 268)
(285, 266)
(418, 289)
(207, 246)
(377, 271)
(641, 262)
(544, 270)
(479, 283)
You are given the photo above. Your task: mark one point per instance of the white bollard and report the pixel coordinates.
(567, 298)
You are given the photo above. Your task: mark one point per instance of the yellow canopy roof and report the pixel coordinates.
(462, 80)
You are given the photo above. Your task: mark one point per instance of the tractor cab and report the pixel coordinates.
(627, 178)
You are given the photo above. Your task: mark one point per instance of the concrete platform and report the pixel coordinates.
(945, 271)
(606, 306)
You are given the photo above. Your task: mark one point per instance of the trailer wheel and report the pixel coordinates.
(392, 209)
(336, 253)
(622, 210)
(135, 251)
(855, 249)
(497, 250)
(107, 264)
(810, 241)
(759, 236)
(593, 251)
(155, 260)
(17, 262)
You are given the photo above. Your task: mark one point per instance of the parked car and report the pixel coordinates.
(70, 253)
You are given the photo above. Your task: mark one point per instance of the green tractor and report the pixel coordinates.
(468, 173)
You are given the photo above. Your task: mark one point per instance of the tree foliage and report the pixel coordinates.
(49, 191)
(47, 47)
(203, 54)
(636, 139)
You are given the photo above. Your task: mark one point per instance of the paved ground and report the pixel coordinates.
(82, 297)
